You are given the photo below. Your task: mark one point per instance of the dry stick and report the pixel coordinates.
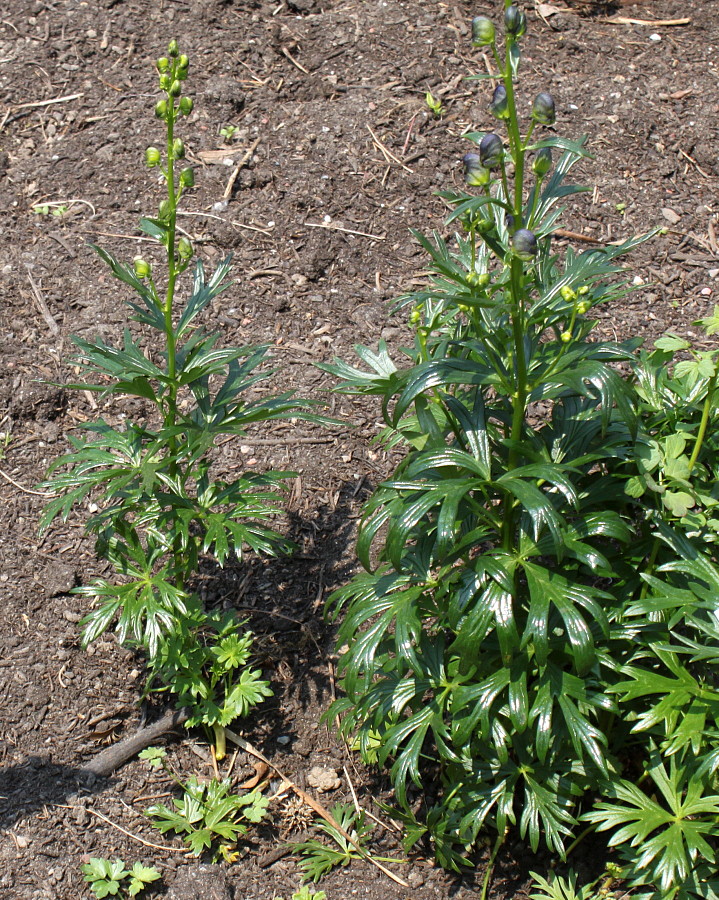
(386, 152)
(621, 20)
(41, 305)
(243, 162)
(38, 103)
(694, 163)
(105, 763)
(131, 835)
(313, 804)
(24, 489)
(294, 61)
(331, 227)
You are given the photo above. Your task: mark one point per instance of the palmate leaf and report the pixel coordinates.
(671, 838)
(203, 292)
(152, 313)
(550, 594)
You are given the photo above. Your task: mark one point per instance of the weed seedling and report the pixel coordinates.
(112, 879)
(207, 814)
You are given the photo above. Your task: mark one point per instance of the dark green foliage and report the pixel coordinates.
(534, 640)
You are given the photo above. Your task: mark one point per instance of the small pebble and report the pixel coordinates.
(655, 37)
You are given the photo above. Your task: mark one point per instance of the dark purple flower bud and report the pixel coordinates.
(542, 162)
(491, 151)
(475, 174)
(509, 222)
(498, 104)
(482, 31)
(515, 21)
(543, 110)
(524, 244)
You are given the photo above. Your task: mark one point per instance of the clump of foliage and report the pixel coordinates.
(111, 879)
(533, 642)
(317, 858)
(208, 814)
(159, 507)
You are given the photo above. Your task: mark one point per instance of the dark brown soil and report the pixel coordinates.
(318, 223)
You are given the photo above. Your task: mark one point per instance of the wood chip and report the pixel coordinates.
(671, 217)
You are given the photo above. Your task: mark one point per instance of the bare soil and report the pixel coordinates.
(342, 158)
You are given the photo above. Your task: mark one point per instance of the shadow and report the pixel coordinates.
(39, 782)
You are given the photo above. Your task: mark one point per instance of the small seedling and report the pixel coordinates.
(434, 104)
(227, 132)
(207, 814)
(317, 858)
(304, 893)
(111, 878)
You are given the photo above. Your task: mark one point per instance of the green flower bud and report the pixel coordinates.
(482, 31)
(478, 280)
(187, 178)
(542, 162)
(524, 244)
(181, 74)
(164, 210)
(142, 268)
(161, 109)
(567, 294)
(183, 62)
(178, 149)
(491, 151)
(415, 317)
(184, 248)
(515, 21)
(565, 337)
(153, 157)
(485, 226)
(165, 82)
(543, 110)
(583, 290)
(172, 48)
(498, 103)
(186, 105)
(175, 89)
(582, 307)
(475, 173)
(163, 64)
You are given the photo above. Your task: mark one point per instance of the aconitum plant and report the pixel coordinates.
(159, 505)
(532, 646)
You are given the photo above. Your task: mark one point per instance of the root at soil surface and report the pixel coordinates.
(105, 763)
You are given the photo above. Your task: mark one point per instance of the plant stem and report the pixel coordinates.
(588, 830)
(220, 742)
(706, 411)
(171, 415)
(490, 866)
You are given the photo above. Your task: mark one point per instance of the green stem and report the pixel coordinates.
(515, 139)
(490, 866)
(519, 397)
(220, 742)
(588, 830)
(706, 411)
